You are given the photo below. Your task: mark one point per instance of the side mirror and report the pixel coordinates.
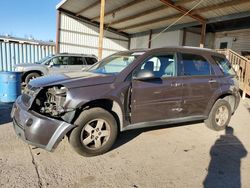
(144, 75)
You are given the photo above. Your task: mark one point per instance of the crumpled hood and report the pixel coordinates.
(72, 80)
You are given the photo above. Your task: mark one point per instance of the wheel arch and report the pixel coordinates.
(29, 72)
(110, 105)
(229, 97)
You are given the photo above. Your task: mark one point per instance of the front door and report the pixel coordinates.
(160, 98)
(199, 84)
(58, 64)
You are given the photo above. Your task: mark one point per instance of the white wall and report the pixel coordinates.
(79, 37)
(139, 42)
(239, 39)
(192, 39)
(172, 38)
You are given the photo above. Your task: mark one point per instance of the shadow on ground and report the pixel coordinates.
(127, 136)
(225, 166)
(5, 110)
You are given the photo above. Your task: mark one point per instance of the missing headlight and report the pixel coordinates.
(51, 101)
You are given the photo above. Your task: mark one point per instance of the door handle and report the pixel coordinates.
(212, 81)
(176, 84)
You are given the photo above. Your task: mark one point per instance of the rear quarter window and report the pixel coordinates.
(224, 65)
(90, 60)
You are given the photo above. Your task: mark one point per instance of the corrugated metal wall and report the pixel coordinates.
(192, 39)
(12, 53)
(79, 37)
(171, 38)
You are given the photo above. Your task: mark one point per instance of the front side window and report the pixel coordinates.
(162, 65)
(195, 65)
(224, 65)
(60, 60)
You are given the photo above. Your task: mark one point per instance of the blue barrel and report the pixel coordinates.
(10, 86)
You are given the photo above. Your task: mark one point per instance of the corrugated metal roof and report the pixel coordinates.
(132, 16)
(26, 41)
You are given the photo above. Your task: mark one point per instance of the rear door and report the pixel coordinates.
(75, 63)
(160, 98)
(200, 84)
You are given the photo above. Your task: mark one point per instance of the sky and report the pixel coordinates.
(29, 18)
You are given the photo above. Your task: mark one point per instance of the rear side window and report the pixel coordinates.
(224, 65)
(195, 65)
(90, 60)
(75, 61)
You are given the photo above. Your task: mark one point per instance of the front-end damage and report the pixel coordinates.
(52, 102)
(40, 116)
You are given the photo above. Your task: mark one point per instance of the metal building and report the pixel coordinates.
(139, 24)
(17, 50)
(128, 24)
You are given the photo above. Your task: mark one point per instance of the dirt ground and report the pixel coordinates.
(187, 155)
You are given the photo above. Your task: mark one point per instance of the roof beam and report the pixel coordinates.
(183, 10)
(88, 7)
(150, 22)
(176, 16)
(150, 11)
(132, 3)
(139, 15)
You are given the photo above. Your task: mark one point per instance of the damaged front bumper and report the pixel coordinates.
(36, 129)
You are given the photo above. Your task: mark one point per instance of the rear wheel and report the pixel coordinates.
(219, 116)
(95, 133)
(31, 76)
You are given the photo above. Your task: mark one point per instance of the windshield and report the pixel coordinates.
(43, 59)
(114, 64)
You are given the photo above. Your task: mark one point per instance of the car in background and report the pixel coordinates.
(58, 63)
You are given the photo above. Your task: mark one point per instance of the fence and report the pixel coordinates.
(15, 52)
(242, 67)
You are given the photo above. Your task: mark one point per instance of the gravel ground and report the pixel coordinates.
(169, 156)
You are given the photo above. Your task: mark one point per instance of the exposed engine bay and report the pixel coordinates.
(50, 101)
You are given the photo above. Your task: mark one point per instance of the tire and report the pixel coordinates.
(95, 133)
(219, 116)
(31, 76)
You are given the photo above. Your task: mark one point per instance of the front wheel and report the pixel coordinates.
(219, 116)
(95, 133)
(31, 76)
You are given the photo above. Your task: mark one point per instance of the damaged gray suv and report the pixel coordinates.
(127, 90)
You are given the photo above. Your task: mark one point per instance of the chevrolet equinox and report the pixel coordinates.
(127, 90)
